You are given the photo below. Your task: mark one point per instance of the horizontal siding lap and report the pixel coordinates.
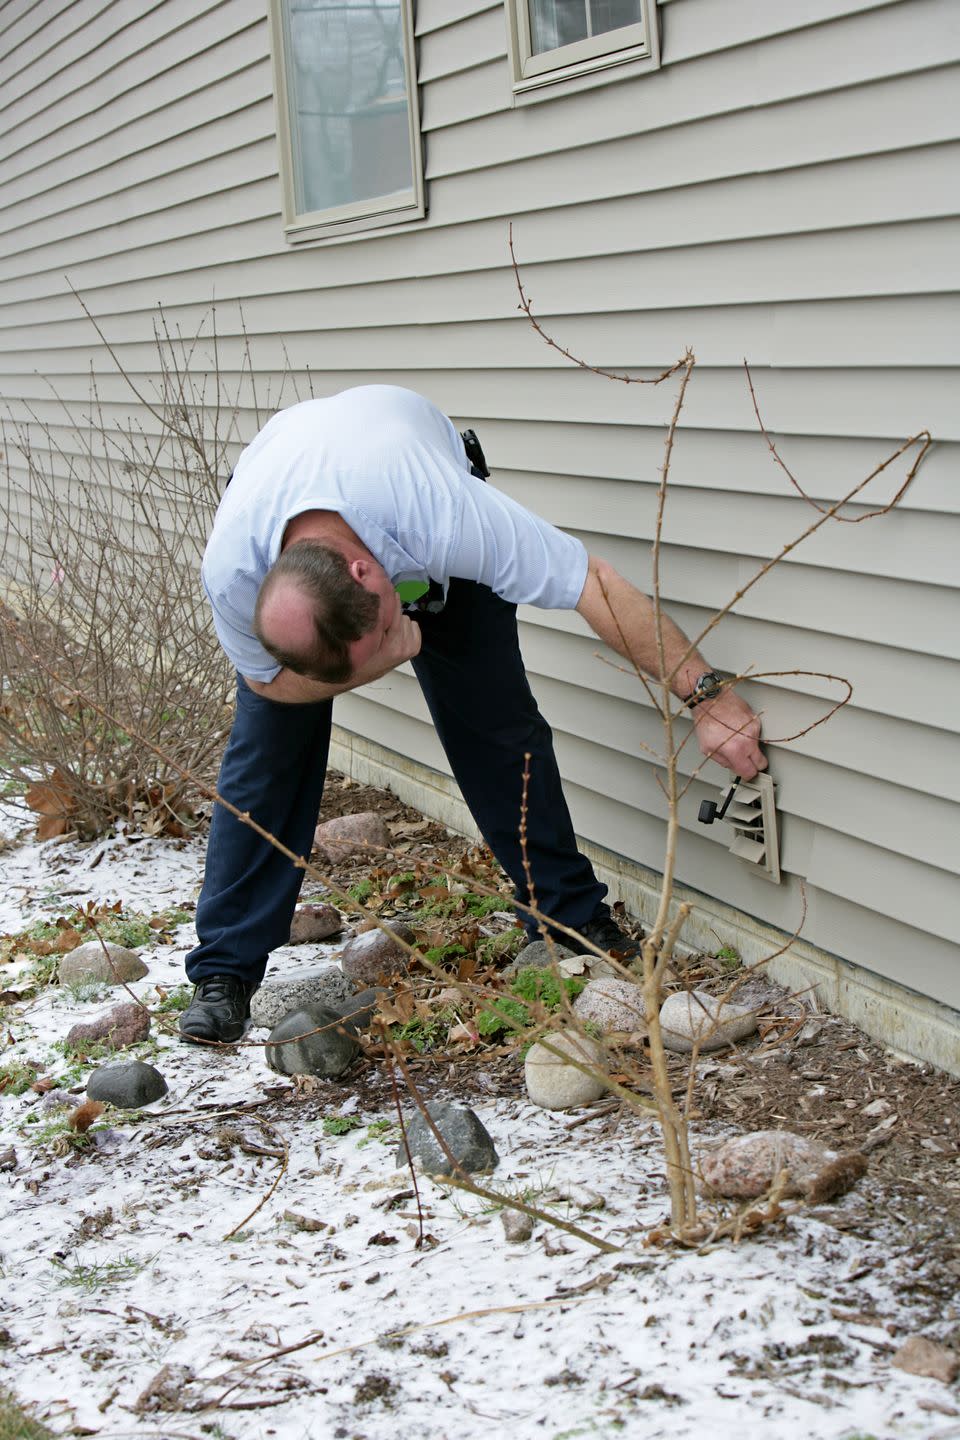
(882, 405)
(163, 140)
(689, 28)
(568, 680)
(890, 115)
(865, 192)
(164, 39)
(634, 298)
(27, 29)
(476, 40)
(829, 94)
(885, 333)
(434, 15)
(923, 690)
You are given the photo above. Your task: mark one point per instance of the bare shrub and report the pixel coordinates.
(104, 528)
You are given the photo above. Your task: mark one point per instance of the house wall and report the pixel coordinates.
(784, 188)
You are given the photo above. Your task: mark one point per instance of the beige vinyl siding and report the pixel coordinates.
(783, 188)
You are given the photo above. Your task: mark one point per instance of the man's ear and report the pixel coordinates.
(360, 569)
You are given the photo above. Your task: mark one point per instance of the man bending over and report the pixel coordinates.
(333, 504)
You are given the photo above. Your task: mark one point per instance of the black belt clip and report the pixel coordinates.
(475, 453)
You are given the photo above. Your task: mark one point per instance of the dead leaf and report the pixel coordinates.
(55, 801)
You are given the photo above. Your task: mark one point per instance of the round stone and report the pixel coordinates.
(317, 985)
(107, 963)
(311, 923)
(312, 1040)
(365, 834)
(538, 955)
(747, 1165)
(376, 954)
(124, 1025)
(553, 1082)
(691, 1015)
(463, 1133)
(612, 1004)
(129, 1085)
(358, 1012)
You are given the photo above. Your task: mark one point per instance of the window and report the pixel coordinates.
(560, 40)
(348, 117)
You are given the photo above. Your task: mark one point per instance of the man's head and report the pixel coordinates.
(318, 613)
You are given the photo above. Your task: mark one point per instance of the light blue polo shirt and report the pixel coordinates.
(393, 466)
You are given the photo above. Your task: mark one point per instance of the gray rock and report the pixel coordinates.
(517, 1227)
(538, 955)
(123, 1025)
(692, 1015)
(553, 1082)
(364, 834)
(314, 922)
(89, 962)
(465, 1136)
(318, 985)
(327, 1049)
(359, 1010)
(375, 955)
(614, 1005)
(748, 1165)
(129, 1085)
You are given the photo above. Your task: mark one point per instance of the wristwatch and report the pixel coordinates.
(706, 687)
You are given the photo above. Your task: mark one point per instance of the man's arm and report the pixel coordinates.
(727, 729)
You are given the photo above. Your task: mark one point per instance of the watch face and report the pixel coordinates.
(708, 685)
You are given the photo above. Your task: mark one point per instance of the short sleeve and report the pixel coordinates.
(522, 557)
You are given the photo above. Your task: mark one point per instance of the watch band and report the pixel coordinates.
(706, 687)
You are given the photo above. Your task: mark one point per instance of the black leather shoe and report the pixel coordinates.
(219, 1009)
(607, 935)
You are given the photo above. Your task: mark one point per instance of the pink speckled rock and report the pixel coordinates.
(920, 1356)
(374, 955)
(123, 1025)
(364, 834)
(747, 1166)
(314, 922)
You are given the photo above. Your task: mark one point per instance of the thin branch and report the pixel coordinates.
(526, 305)
(846, 519)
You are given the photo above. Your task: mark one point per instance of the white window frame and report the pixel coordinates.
(359, 215)
(614, 55)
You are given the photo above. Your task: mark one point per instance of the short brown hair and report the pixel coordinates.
(343, 611)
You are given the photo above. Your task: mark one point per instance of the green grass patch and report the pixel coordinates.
(96, 1277)
(341, 1124)
(17, 1424)
(16, 1076)
(531, 989)
(171, 1002)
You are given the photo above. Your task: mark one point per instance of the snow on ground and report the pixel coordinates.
(118, 1261)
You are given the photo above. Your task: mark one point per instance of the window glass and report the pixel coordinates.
(554, 23)
(348, 100)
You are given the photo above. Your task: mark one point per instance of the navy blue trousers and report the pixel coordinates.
(472, 676)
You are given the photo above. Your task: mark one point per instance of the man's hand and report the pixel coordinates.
(729, 732)
(400, 640)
